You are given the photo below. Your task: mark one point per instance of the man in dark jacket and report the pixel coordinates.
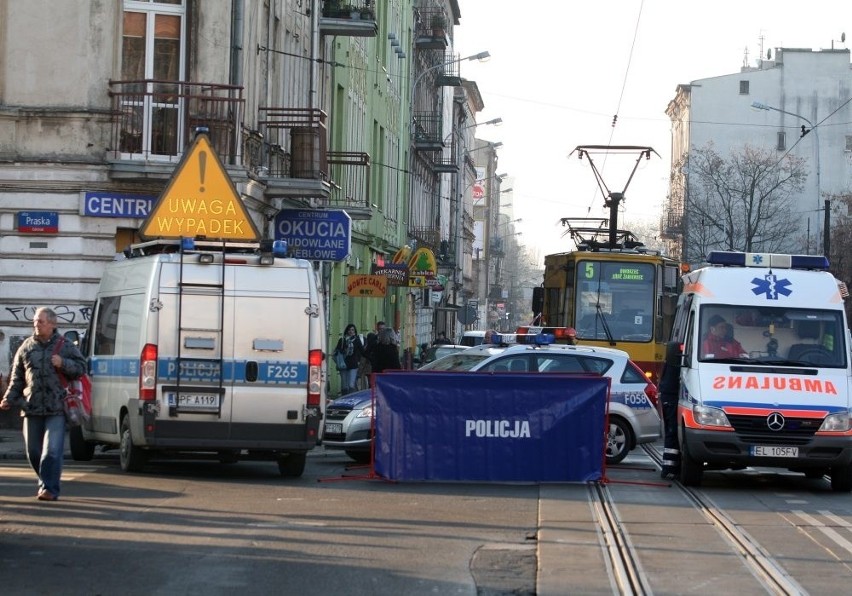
(35, 385)
(669, 389)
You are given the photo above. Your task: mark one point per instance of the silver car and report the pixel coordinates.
(633, 406)
(349, 425)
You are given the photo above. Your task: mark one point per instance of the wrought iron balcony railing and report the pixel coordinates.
(155, 120)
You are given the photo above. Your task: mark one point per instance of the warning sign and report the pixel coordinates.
(200, 200)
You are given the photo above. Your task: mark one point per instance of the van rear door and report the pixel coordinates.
(268, 308)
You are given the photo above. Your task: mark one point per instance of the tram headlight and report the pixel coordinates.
(707, 416)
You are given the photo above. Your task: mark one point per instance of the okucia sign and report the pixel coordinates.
(315, 235)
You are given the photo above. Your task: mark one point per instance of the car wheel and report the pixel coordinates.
(841, 479)
(292, 464)
(80, 449)
(131, 458)
(691, 471)
(618, 440)
(362, 457)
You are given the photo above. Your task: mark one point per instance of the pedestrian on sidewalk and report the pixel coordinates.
(35, 386)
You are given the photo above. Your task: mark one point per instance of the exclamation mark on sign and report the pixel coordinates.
(202, 164)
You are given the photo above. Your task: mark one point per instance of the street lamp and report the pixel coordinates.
(479, 56)
(826, 241)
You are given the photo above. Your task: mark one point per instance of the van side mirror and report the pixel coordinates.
(73, 337)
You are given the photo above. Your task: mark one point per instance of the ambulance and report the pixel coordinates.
(765, 368)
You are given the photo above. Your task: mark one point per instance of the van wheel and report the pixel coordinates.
(80, 449)
(292, 464)
(691, 471)
(131, 457)
(841, 479)
(618, 440)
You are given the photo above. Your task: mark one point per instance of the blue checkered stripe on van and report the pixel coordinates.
(269, 372)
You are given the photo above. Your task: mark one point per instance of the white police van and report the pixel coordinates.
(209, 349)
(765, 372)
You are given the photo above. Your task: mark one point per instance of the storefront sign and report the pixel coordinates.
(117, 204)
(366, 286)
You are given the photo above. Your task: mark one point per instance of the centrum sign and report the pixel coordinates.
(315, 235)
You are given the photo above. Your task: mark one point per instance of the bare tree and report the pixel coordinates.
(744, 202)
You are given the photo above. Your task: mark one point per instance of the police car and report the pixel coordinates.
(633, 408)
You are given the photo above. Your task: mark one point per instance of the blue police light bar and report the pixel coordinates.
(279, 248)
(544, 339)
(777, 261)
(187, 243)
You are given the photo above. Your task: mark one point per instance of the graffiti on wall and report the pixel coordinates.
(68, 315)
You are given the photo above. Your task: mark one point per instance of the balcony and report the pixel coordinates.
(154, 121)
(431, 30)
(355, 18)
(426, 238)
(350, 184)
(427, 131)
(289, 152)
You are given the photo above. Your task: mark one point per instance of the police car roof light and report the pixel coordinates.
(279, 248)
(776, 261)
(187, 243)
(545, 339)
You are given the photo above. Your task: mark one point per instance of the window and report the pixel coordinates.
(849, 142)
(152, 49)
(743, 87)
(781, 145)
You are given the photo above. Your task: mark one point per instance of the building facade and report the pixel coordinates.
(309, 105)
(796, 103)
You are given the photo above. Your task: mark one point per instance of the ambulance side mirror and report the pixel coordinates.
(674, 355)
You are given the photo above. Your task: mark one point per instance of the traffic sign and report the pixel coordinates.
(200, 201)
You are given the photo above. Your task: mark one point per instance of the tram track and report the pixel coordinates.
(763, 566)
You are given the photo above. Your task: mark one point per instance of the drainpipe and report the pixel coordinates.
(313, 102)
(236, 71)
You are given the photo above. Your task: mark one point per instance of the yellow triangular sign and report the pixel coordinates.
(200, 200)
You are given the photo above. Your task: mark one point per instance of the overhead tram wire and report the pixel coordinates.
(623, 88)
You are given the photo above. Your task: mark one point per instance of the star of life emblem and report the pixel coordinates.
(771, 286)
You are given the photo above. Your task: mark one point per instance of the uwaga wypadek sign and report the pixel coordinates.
(200, 201)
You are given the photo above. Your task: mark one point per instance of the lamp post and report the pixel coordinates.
(479, 56)
(826, 241)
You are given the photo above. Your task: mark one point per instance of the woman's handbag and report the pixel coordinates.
(340, 360)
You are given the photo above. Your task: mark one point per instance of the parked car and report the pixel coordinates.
(349, 425)
(633, 406)
(439, 351)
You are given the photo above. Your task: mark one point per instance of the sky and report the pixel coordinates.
(560, 71)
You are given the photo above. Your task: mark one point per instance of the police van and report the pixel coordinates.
(206, 348)
(765, 369)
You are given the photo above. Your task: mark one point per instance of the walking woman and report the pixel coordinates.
(387, 352)
(347, 356)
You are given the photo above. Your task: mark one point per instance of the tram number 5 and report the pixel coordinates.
(590, 270)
